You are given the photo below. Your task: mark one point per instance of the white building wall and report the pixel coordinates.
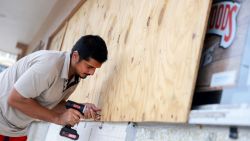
(97, 131)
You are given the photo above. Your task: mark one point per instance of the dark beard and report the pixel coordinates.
(86, 75)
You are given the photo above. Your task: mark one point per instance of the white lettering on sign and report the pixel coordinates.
(222, 21)
(223, 78)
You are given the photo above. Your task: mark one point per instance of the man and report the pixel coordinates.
(37, 86)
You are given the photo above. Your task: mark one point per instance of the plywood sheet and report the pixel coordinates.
(57, 39)
(154, 51)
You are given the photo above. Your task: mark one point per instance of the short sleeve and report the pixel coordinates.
(35, 80)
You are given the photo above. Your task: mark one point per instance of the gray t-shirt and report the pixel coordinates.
(42, 76)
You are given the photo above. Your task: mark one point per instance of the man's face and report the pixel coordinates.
(85, 68)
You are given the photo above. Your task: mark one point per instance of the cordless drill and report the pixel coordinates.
(67, 131)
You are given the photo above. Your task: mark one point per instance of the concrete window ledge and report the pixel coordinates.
(238, 115)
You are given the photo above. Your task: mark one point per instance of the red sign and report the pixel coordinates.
(222, 21)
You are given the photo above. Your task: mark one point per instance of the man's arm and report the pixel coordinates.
(33, 109)
(60, 108)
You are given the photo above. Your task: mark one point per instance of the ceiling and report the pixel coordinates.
(20, 20)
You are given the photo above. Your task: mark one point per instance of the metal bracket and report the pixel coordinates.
(233, 133)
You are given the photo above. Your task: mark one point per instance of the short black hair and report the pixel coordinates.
(91, 46)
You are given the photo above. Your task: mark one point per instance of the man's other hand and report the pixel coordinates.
(92, 112)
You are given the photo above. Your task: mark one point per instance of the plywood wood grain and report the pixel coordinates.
(154, 51)
(57, 39)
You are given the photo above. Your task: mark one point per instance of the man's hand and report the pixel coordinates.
(69, 117)
(91, 112)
